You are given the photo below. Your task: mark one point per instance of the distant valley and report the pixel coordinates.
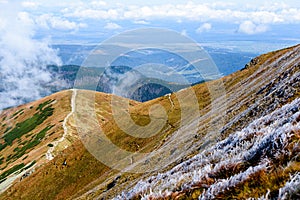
(145, 87)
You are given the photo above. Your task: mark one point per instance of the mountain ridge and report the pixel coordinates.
(266, 84)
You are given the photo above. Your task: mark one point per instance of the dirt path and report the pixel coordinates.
(49, 155)
(171, 101)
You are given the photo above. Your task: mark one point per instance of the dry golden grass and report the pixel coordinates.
(61, 105)
(84, 173)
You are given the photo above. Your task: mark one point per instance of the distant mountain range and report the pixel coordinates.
(112, 80)
(227, 60)
(144, 84)
(151, 60)
(236, 137)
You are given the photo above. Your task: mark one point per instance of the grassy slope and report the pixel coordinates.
(31, 125)
(83, 172)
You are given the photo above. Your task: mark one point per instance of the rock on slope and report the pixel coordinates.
(253, 128)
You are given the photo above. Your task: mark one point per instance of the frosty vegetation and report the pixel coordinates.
(240, 158)
(291, 188)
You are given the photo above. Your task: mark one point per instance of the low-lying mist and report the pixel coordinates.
(23, 59)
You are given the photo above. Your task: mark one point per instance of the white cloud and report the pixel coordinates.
(23, 60)
(184, 33)
(63, 24)
(265, 17)
(2, 23)
(112, 26)
(217, 11)
(91, 13)
(248, 27)
(30, 4)
(98, 3)
(25, 18)
(143, 22)
(48, 21)
(204, 28)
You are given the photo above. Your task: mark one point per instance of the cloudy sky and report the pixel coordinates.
(74, 21)
(28, 29)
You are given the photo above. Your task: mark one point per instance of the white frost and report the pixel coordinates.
(268, 134)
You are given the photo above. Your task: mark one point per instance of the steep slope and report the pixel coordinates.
(28, 132)
(268, 83)
(252, 162)
(245, 117)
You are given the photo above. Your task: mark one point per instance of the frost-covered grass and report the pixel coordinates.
(291, 189)
(254, 162)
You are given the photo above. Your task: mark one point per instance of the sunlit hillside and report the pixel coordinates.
(241, 141)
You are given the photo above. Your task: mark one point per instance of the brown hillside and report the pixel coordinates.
(224, 106)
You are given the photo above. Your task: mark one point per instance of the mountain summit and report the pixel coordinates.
(241, 142)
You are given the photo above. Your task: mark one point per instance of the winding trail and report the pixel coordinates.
(49, 155)
(171, 101)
